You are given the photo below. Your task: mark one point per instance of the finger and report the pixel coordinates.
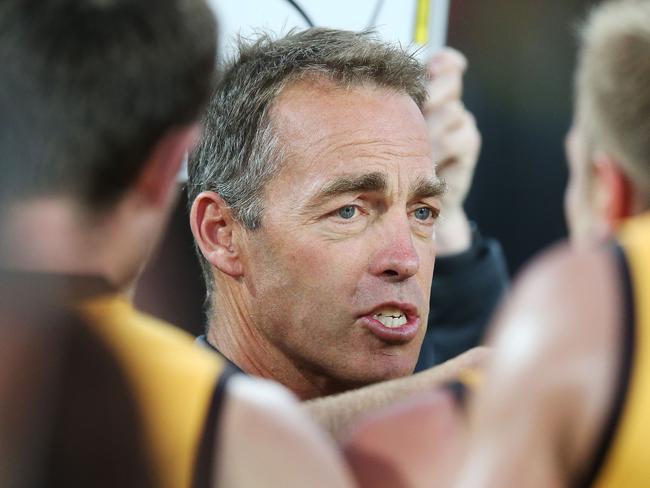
(461, 145)
(447, 60)
(444, 164)
(448, 117)
(442, 89)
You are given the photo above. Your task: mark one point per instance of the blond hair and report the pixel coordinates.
(613, 85)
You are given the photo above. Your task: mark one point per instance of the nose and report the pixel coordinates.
(395, 257)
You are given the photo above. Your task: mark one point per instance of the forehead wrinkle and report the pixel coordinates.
(343, 140)
(359, 151)
(348, 135)
(330, 138)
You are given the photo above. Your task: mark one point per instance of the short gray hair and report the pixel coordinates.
(239, 152)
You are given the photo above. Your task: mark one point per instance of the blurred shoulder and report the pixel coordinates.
(264, 430)
(563, 294)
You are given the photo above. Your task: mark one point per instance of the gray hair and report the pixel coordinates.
(239, 152)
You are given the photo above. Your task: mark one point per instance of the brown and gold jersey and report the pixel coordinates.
(176, 386)
(624, 461)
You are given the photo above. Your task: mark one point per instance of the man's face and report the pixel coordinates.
(340, 272)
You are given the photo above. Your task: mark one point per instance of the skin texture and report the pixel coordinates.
(407, 445)
(266, 440)
(351, 406)
(298, 288)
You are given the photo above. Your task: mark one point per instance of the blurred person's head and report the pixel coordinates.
(313, 202)
(609, 144)
(98, 104)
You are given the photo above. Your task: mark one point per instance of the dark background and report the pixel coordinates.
(519, 86)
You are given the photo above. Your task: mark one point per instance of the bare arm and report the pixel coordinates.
(267, 440)
(335, 413)
(539, 414)
(411, 444)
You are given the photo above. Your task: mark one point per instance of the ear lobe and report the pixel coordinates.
(215, 232)
(158, 178)
(616, 195)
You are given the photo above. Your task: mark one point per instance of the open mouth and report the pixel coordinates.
(391, 317)
(393, 323)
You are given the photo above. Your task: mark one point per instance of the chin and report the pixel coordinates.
(365, 376)
(388, 368)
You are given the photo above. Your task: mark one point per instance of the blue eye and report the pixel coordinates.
(347, 212)
(423, 213)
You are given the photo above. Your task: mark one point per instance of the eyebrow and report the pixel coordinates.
(427, 188)
(377, 182)
(369, 182)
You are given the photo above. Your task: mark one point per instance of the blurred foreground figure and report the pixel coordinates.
(98, 105)
(567, 398)
(67, 413)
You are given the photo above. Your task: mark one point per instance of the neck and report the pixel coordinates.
(53, 235)
(233, 332)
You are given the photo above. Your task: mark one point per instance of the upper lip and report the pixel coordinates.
(409, 309)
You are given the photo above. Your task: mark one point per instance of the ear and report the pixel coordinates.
(157, 181)
(615, 194)
(215, 232)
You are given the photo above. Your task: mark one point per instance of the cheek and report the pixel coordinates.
(331, 269)
(310, 270)
(427, 255)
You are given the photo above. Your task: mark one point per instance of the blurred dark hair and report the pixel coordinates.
(87, 87)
